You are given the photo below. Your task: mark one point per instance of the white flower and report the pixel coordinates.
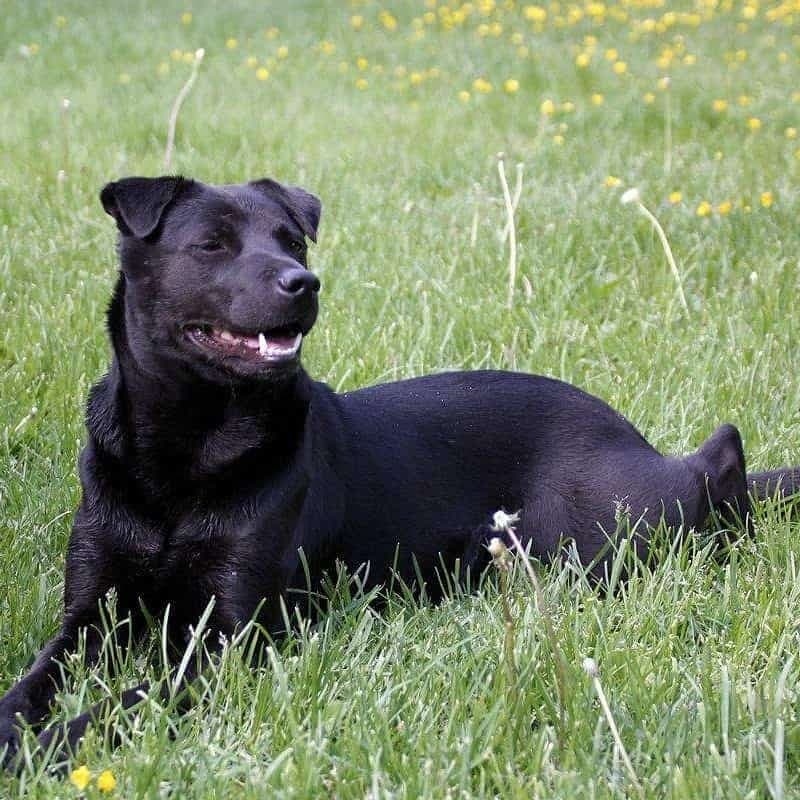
(590, 667)
(630, 196)
(198, 54)
(496, 548)
(501, 521)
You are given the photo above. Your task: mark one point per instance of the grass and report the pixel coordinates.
(698, 659)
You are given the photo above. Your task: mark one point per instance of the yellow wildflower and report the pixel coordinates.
(548, 107)
(649, 98)
(176, 54)
(362, 84)
(620, 67)
(416, 78)
(791, 133)
(597, 99)
(389, 21)
(664, 83)
(61, 21)
(262, 73)
(362, 63)
(482, 85)
(511, 85)
(725, 207)
(282, 51)
(754, 123)
(720, 106)
(328, 48)
(766, 199)
(582, 60)
(463, 96)
(675, 198)
(106, 781)
(80, 777)
(535, 13)
(231, 43)
(743, 100)
(357, 22)
(272, 33)
(186, 18)
(558, 139)
(611, 182)
(612, 54)
(251, 62)
(704, 209)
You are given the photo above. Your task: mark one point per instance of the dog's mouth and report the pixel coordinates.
(274, 346)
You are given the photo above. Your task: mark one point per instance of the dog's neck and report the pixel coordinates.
(177, 430)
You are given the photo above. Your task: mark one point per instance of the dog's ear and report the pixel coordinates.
(137, 204)
(302, 206)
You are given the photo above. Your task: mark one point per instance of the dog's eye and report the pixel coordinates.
(211, 246)
(297, 247)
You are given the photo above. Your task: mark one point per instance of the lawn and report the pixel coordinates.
(394, 114)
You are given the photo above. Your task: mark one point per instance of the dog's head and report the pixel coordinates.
(216, 277)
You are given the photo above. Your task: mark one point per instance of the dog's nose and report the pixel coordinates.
(296, 282)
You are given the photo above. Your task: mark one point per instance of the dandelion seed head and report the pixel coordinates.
(631, 195)
(503, 521)
(590, 667)
(496, 548)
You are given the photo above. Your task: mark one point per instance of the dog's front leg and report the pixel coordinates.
(88, 579)
(28, 701)
(62, 741)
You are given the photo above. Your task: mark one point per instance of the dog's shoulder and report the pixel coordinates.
(104, 415)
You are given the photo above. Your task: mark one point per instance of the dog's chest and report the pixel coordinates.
(232, 556)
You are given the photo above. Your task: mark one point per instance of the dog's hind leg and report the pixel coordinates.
(783, 482)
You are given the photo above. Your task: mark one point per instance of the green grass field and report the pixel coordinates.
(393, 113)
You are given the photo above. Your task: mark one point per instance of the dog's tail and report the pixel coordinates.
(780, 483)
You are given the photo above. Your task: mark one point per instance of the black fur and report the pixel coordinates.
(209, 467)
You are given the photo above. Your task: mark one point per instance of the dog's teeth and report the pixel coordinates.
(227, 336)
(262, 344)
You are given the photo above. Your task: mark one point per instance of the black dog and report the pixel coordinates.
(213, 460)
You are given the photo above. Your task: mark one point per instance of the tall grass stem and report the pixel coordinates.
(176, 107)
